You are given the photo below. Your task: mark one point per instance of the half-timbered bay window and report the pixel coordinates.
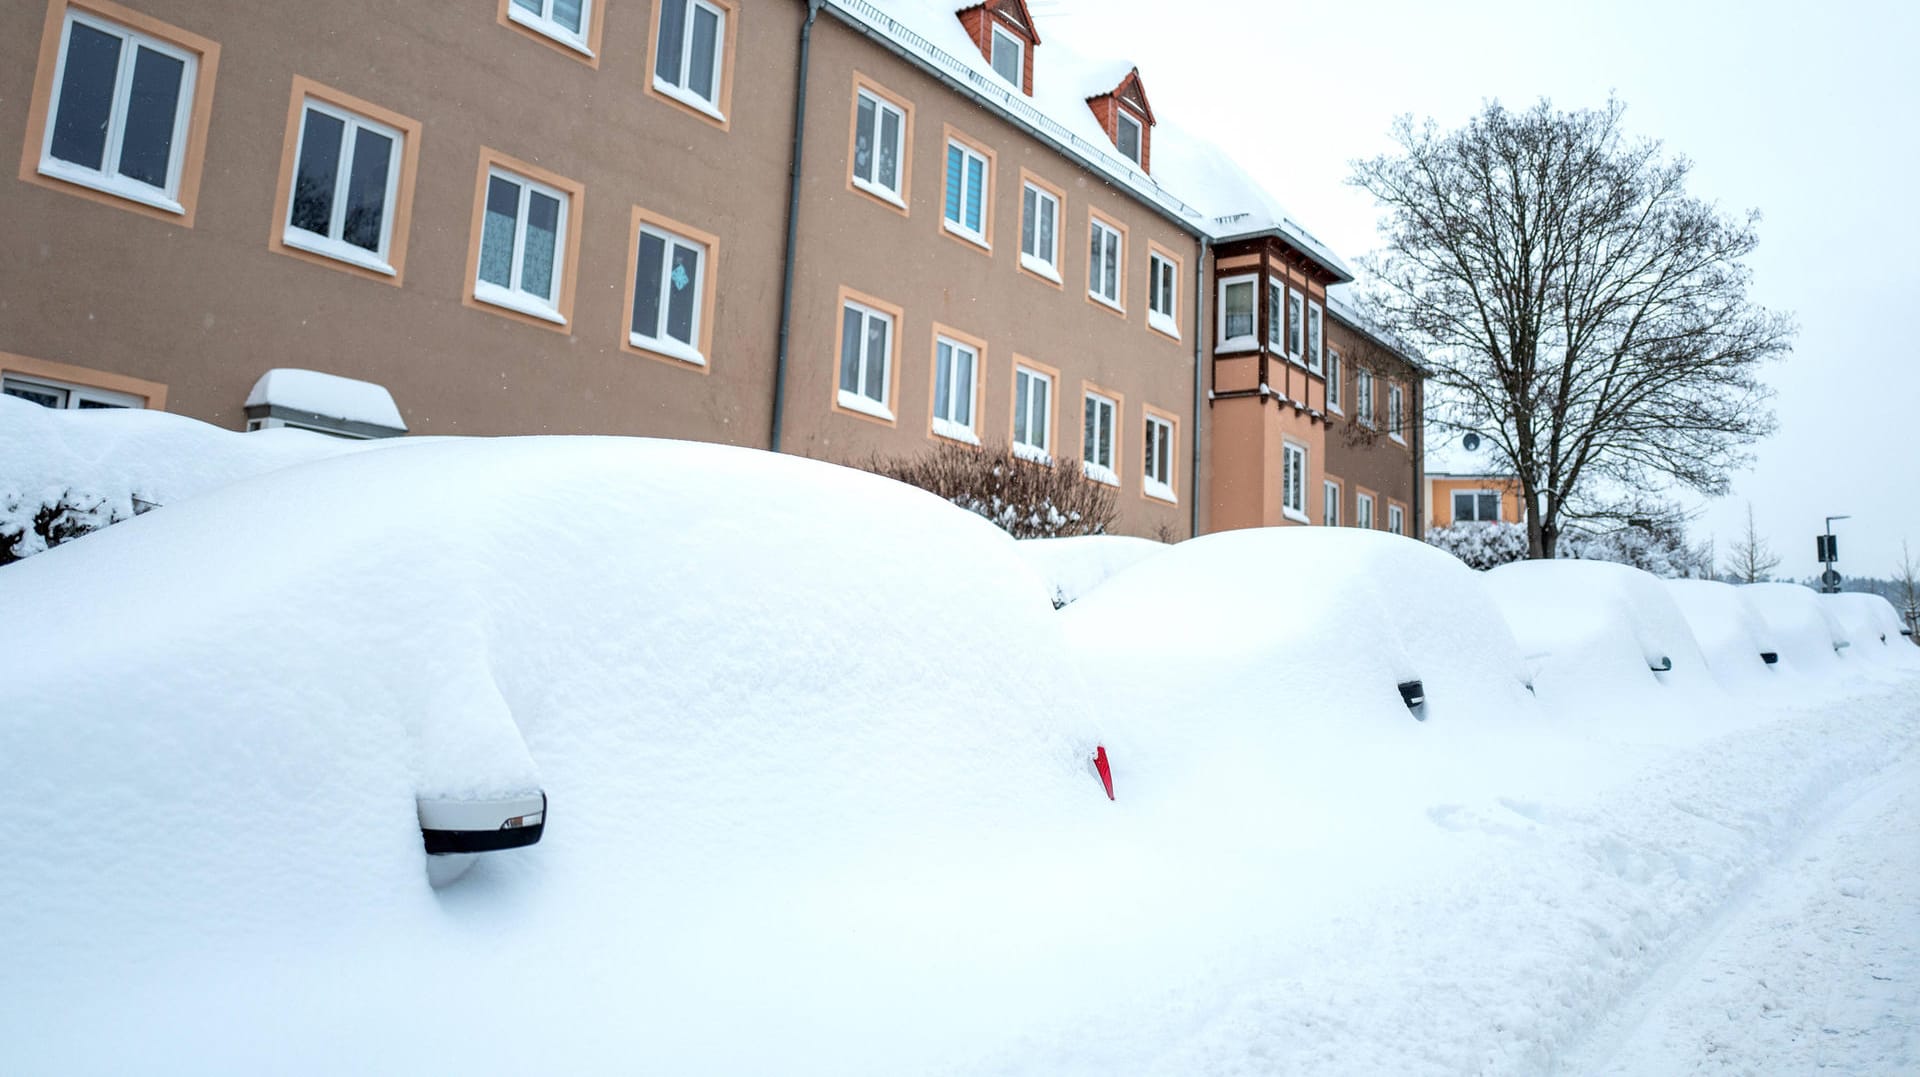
(1315, 339)
(1237, 310)
(1294, 326)
(1097, 438)
(1276, 315)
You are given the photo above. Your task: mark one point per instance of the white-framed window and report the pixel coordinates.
(879, 146)
(1363, 511)
(346, 178)
(1293, 482)
(669, 284)
(1396, 519)
(1040, 231)
(687, 65)
(966, 202)
(63, 395)
(1334, 388)
(522, 245)
(1476, 506)
(1330, 503)
(1103, 263)
(1315, 340)
(1276, 315)
(1009, 57)
(1156, 477)
(1032, 415)
(1294, 326)
(955, 368)
(1097, 437)
(1396, 428)
(866, 359)
(564, 21)
(1130, 137)
(119, 115)
(1163, 294)
(1363, 395)
(1238, 315)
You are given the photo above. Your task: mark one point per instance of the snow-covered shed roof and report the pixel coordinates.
(1195, 183)
(329, 396)
(1447, 454)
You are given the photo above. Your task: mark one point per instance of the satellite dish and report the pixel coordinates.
(1471, 442)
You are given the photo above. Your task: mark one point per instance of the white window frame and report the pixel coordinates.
(1166, 321)
(1293, 482)
(959, 227)
(873, 186)
(1276, 299)
(1329, 503)
(688, 351)
(999, 34)
(1396, 519)
(1499, 508)
(1155, 433)
(544, 24)
(73, 395)
(859, 398)
(1333, 382)
(1040, 452)
(1108, 472)
(1363, 395)
(1296, 333)
(107, 177)
(1251, 340)
(1363, 511)
(332, 245)
(1122, 116)
(1316, 336)
(1048, 267)
(511, 297)
(1396, 413)
(1099, 228)
(678, 91)
(945, 425)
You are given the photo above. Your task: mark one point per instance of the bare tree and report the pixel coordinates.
(1751, 560)
(1576, 305)
(1908, 582)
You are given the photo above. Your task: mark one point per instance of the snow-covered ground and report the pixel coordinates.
(817, 747)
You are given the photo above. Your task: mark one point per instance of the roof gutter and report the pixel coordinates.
(793, 225)
(1189, 226)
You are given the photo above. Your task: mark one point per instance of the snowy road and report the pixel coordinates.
(1817, 968)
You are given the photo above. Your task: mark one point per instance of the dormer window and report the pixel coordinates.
(1126, 117)
(1130, 136)
(1009, 56)
(1004, 33)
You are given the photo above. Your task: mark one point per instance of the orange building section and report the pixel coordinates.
(1441, 489)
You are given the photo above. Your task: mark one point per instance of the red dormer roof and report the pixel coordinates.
(1011, 16)
(1130, 95)
(1014, 11)
(1132, 91)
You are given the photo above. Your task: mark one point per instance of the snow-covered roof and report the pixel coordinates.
(348, 400)
(1447, 454)
(1195, 183)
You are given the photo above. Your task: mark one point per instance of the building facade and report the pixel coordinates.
(843, 230)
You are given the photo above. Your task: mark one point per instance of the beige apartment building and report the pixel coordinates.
(838, 229)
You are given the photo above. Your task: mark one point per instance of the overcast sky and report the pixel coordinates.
(1810, 115)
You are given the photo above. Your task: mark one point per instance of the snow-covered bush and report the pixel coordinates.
(1482, 545)
(1661, 550)
(1025, 498)
(34, 523)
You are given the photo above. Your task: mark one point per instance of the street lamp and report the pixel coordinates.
(1830, 578)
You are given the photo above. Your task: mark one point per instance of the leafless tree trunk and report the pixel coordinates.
(1909, 581)
(1577, 307)
(1752, 559)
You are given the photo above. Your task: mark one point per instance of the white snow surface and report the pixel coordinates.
(331, 395)
(1074, 566)
(817, 752)
(1731, 634)
(1801, 624)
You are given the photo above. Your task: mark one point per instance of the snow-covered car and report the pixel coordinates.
(1810, 640)
(1592, 630)
(1733, 638)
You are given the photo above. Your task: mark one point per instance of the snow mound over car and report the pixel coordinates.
(1871, 627)
(796, 723)
(1074, 566)
(1731, 635)
(1800, 623)
(1598, 633)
